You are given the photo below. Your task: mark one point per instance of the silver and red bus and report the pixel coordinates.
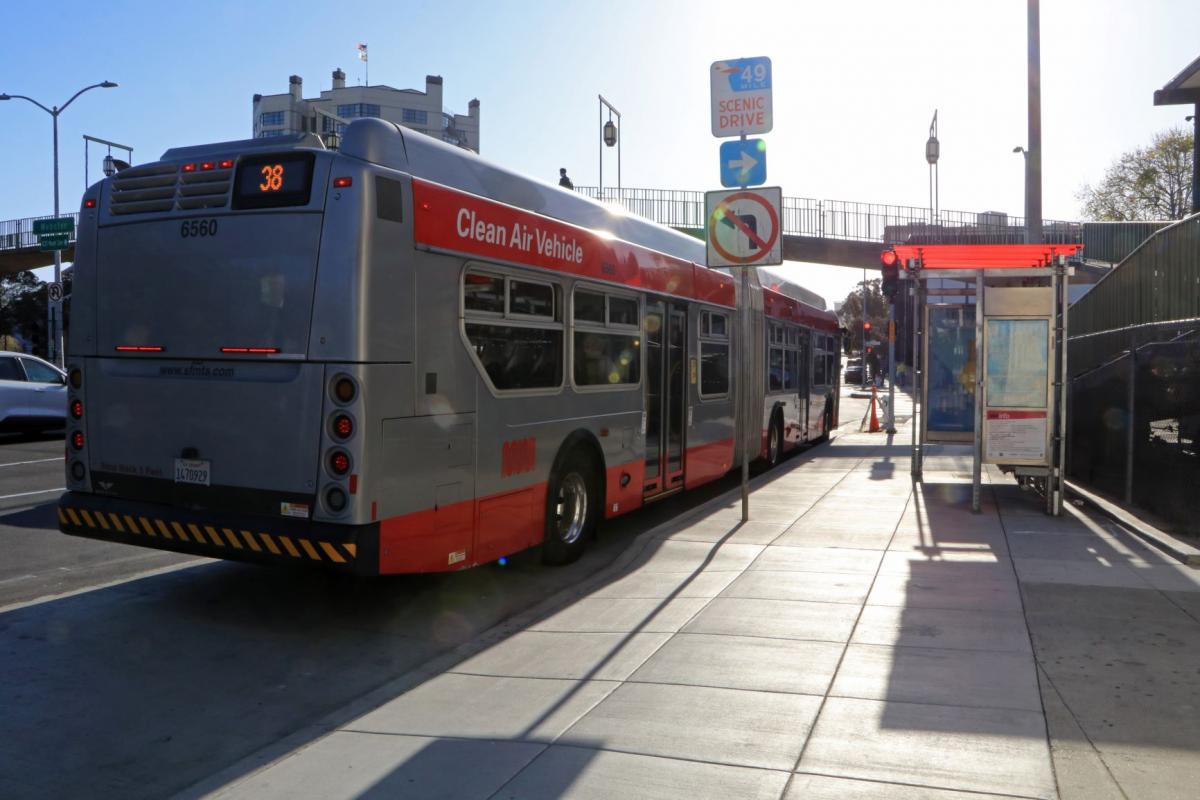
(398, 357)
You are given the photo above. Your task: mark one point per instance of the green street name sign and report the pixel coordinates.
(55, 225)
(54, 241)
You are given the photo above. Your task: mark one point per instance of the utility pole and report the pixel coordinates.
(1033, 157)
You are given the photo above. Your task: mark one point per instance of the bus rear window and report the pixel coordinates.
(273, 181)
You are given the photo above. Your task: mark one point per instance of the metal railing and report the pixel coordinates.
(802, 216)
(1159, 281)
(17, 234)
(846, 220)
(1113, 241)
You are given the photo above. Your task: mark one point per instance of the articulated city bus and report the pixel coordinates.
(398, 357)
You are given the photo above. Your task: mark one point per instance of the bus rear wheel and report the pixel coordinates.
(572, 507)
(775, 441)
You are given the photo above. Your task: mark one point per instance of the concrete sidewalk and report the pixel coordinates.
(856, 639)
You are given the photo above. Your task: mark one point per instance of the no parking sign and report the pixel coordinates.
(742, 227)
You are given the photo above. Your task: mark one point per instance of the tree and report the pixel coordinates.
(23, 310)
(852, 314)
(1152, 182)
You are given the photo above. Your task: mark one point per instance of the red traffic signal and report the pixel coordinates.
(866, 326)
(889, 258)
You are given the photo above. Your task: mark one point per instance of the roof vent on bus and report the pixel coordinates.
(156, 188)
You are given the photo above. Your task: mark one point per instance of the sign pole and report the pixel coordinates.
(747, 374)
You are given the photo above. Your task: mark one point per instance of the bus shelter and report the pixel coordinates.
(989, 352)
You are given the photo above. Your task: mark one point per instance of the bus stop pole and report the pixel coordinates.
(747, 373)
(890, 422)
(977, 461)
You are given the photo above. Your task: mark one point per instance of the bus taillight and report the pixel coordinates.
(75, 376)
(343, 426)
(77, 440)
(77, 409)
(335, 499)
(339, 462)
(344, 389)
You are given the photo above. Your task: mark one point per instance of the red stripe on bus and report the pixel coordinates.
(707, 462)
(485, 528)
(780, 306)
(465, 223)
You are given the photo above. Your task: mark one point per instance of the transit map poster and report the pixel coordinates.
(1017, 363)
(951, 374)
(1017, 374)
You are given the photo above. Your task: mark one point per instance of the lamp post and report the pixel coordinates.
(933, 150)
(609, 137)
(55, 308)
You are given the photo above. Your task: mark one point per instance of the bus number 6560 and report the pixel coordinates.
(198, 227)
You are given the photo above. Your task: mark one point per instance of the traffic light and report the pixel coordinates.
(891, 274)
(867, 327)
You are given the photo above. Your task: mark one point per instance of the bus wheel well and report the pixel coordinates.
(583, 442)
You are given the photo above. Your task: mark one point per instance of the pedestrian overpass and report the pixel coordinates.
(840, 232)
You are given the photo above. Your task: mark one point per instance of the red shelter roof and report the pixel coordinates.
(984, 256)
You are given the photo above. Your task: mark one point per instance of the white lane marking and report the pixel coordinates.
(26, 494)
(107, 584)
(18, 578)
(39, 461)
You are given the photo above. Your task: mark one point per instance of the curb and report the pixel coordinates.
(1181, 551)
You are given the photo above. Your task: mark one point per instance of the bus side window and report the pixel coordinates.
(515, 330)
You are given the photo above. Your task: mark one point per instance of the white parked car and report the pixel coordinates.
(33, 394)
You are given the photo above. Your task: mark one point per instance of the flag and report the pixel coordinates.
(362, 52)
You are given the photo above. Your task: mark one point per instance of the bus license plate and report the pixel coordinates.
(192, 470)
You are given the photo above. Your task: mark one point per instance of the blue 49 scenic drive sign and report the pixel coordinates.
(741, 96)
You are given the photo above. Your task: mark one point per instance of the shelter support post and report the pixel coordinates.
(977, 451)
(918, 404)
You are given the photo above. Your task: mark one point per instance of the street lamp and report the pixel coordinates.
(933, 150)
(55, 307)
(609, 137)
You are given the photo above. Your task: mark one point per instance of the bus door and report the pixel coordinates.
(666, 395)
(805, 385)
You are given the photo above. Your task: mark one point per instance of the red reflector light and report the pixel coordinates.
(77, 440)
(89, 203)
(207, 165)
(226, 163)
(77, 410)
(425, 205)
(138, 348)
(342, 183)
(189, 167)
(256, 350)
(354, 483)
(339, 463)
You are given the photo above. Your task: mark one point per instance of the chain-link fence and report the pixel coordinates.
(1135, 424)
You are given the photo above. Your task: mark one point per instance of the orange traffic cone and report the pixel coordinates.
(874, 417)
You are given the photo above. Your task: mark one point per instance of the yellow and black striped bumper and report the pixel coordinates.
(239, 537)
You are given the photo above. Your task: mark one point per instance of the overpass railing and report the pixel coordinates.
(1112, 241)
(17, 234)
(847, 220)
(1159, 281)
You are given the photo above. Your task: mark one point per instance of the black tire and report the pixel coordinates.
(827, 423)
(570, 517)
(775, 440)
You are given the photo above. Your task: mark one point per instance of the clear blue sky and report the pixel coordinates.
(855, 86)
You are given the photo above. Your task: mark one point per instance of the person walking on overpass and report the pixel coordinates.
(563, 180)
